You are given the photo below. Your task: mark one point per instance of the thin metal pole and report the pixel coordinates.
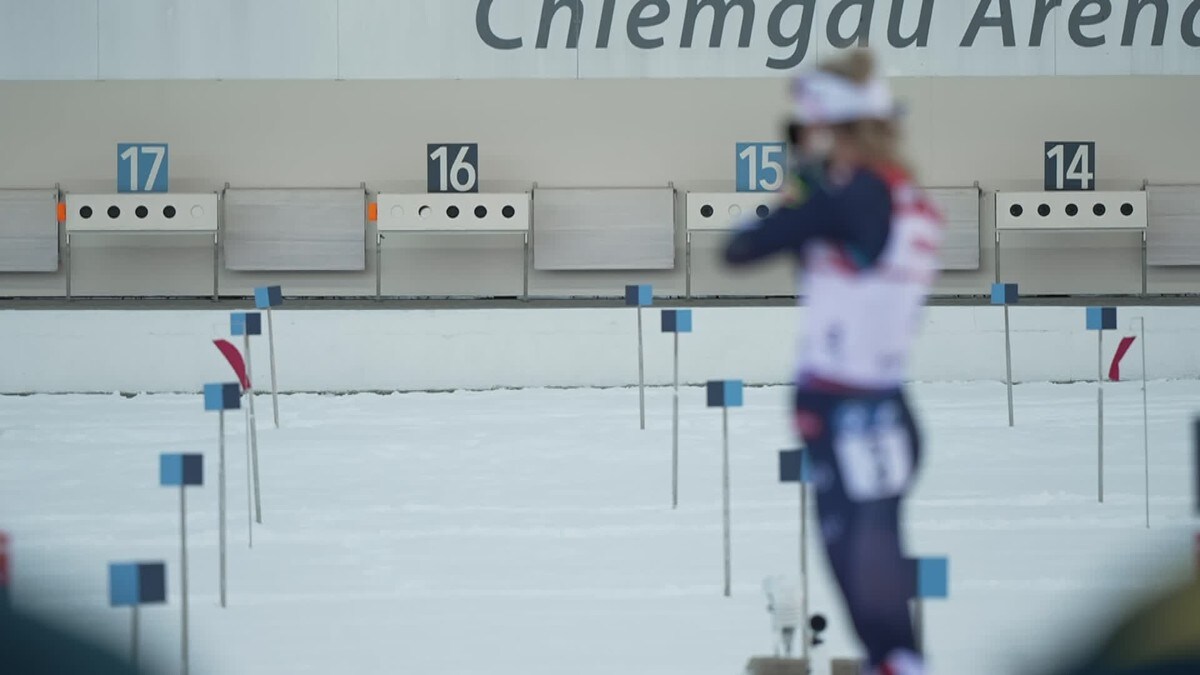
(249, 485)
(253, 436)
(1008, 365)
(1145, 265)
(1100, 413)
(725, 492)
(183, 572)
(919, 624)
(133, 633)
(641, 372)
(805, 630)
(216, 266)
(1145, 422)
(378, 266)
(274, 384)
(525, 268)
(67, 263)
(221, 501)
(997, 255)
(687, 254)
(675, 432)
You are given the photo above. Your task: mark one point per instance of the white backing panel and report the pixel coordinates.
(461, 39)
(604, 229)
(960, 208)
(295, 230)
(142, 212)
(28, 231)
(1071, 210)
(725, 210)
(1173, 234)
(48, 40)
(218, 39)
(437, 39)
(460, 212)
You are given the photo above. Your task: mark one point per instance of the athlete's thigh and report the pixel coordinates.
(874, 448)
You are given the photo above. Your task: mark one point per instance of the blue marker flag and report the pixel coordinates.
(794, 466)
(268, 296)
(725, 394)
(677, 321)
(131, 584)
(223, 396)
(1101, 318)
(175, 469)
(933, 578)
(1004, 294)
(245, 323)
(639, 296)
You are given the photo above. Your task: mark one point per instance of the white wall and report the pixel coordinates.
(343, 350)
(367, 39)
(579, 133)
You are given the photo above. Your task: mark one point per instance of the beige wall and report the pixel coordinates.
(571, 133)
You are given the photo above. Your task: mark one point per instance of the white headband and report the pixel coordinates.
(824, 98)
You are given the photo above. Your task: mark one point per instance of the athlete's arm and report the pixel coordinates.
(858, 214)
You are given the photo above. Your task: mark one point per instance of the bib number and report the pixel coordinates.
(874, 450)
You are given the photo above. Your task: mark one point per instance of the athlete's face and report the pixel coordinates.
(819, 141)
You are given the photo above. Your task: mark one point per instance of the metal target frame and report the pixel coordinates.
(161, 213)
(430, 214)
(1051, 214)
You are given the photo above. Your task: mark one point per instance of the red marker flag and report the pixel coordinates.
(1114, 371)
(234, 357)
(4, 563)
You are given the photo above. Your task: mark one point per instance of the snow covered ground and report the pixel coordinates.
(530, 532)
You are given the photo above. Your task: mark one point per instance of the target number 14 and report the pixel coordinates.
(1070, 165)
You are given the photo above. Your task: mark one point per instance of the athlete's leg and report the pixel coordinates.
(860, 525)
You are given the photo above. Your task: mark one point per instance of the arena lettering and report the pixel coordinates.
(789, 25)
(1086, 22)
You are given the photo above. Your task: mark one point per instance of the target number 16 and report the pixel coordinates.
(452, 167)
(1070, 166)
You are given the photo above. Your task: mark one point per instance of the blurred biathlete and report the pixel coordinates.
(867, 239)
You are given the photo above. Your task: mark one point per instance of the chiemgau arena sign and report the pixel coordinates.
(705, 38)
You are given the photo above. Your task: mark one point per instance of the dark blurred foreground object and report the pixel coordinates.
(1160, 638)
(30, 647)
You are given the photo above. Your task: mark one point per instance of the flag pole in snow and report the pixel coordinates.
(4, 577)
(268, 297)
(676, 321)
(1196, 483)
(1114, 374)
(725, 394)
(1145, 416)
(182, 471)
(1006, 294)
(933, 581)
(247, 324)
(240, 369)
(1100, 319)
(219, 398)
(640, 296)
(794, 468)
(135, 584)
